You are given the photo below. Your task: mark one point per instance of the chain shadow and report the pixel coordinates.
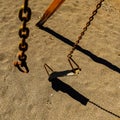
(86, 52)
(59, 85)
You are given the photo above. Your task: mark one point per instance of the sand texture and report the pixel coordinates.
(94, 94)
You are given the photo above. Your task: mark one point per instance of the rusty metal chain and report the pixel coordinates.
(24, 16)
(85, 28)
(70, 59)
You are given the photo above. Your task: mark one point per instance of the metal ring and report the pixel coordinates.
(91, 18)
(22, 57)
(94, 12)
(24, 33)
(27, 13)
(23, 46)
(99, 5)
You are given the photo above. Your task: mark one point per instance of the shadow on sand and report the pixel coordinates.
(86, 52)
(59, 85)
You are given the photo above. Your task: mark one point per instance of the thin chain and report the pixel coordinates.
(85, 28)
(24, 16)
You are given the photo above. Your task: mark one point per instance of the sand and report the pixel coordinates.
(94, 94)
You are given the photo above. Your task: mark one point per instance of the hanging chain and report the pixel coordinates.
(85, 29)
(70, 59)
(24, 16)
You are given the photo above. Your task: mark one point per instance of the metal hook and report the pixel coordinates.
(75, 70)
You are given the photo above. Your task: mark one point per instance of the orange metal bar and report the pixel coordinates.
(49, 12)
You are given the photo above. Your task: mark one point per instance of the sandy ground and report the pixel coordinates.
(94, 94)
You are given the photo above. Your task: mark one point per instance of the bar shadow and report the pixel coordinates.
(86, 52)
(59, 85)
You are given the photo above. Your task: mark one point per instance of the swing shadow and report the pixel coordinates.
(59, 85)
(86, 52)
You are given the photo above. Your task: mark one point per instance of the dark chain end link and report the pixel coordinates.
(19, 65)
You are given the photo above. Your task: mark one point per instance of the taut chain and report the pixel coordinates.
(82, 34)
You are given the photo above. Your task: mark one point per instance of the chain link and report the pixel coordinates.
(85, 28)
(24, 16)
